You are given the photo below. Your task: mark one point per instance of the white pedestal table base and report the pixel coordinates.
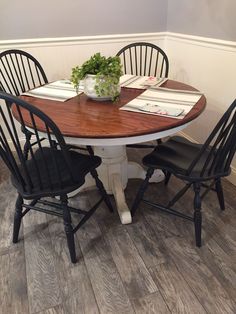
(114, 172)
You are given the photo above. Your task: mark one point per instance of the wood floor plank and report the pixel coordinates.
(132, 269)
(108, 287)
(5, 287)
(161, 194)
(223, 233)
(228, 216)
(55, 310)
(109, 290)
(7, 208)
(174, 289)
(75, 286)
(229, 193)
(146, 242)
(151, 304)
(42, 279)
(200, 278)
(13, 285)
(221, 265)
(19, 289)
(4, 171)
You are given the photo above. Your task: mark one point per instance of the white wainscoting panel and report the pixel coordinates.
(59, 55)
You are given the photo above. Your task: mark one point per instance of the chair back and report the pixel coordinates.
(218, 151)
(20, 72)
(42, 172)
(144, 59)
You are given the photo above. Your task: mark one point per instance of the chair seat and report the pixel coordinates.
(80, 163)
(176, 155)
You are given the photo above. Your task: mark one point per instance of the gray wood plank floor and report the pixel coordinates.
(149, 266)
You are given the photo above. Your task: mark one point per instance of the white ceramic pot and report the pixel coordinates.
(89, 88)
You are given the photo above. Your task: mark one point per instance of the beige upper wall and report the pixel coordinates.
(208, 18)
(21, 19)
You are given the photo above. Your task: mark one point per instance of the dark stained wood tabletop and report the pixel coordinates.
(85, 118)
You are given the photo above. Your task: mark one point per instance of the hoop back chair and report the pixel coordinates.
(199, 166)
(144, 59)
(50, 171)
(20, 72)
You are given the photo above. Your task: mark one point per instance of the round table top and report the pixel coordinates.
(81, 117)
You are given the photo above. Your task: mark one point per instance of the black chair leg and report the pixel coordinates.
(167, 177)
(90, 150)
(197, 215)
(68, 229)
(102, 190)
(17, 218)
(220, 194)
(141, 191)
(27, 142)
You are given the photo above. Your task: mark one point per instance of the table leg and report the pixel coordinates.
(118, 192)
(114, 172)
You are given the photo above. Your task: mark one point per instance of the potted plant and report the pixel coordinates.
(101, 77)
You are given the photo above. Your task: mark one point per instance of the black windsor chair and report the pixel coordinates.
(144, 59)
(48, 172)
(20, 72)
(199, 166)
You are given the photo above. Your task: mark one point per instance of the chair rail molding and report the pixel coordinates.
(37, 42)
(202, 41)
(54, 41)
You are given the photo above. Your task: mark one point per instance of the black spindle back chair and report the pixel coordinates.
(199, 166)
(49, 171)
(143, 59)
(20, 72)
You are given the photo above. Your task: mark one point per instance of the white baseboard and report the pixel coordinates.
(231, 177)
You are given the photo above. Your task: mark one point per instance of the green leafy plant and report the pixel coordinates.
(107, 71)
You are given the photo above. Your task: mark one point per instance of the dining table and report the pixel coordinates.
(102, 125)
